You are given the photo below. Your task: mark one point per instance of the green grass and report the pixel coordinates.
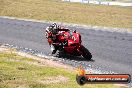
(15, 72)
(55, 10)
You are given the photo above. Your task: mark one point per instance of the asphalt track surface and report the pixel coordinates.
(111, 51)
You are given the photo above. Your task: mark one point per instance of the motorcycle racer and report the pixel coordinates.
(52, 33)
(66, 41)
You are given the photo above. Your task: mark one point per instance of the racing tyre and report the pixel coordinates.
(85, 53)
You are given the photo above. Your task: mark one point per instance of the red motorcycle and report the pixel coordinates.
(69, 43)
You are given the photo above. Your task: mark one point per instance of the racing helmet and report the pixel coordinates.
(54, 28)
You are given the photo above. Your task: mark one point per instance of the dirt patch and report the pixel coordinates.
(15, 84)
(122, 86)
(21, 68)
(58, 79)
(3, 49)
(45, 62)
(39, 61)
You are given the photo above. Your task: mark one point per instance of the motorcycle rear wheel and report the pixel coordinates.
(85, 53)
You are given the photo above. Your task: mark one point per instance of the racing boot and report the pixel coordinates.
(53, 50)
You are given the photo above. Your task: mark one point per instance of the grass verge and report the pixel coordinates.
(56, 10)
(21, 72)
